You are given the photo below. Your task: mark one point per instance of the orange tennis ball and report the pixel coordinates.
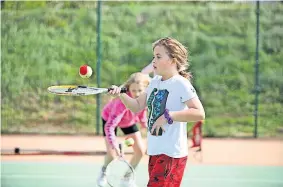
(85, 71)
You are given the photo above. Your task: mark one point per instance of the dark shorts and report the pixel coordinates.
(165, 171)
(128, 130)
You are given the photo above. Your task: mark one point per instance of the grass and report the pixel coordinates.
(44, 45)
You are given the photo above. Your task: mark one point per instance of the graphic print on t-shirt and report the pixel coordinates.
(156, 106)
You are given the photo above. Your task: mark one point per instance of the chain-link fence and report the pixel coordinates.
(44, 43)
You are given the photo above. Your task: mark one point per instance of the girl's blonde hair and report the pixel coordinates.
(177, 52)
(138, 78)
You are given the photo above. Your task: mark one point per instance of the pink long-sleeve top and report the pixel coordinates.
(116, 114)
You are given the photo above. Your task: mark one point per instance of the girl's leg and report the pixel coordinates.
(110, 154)
(139, 148)
(101, 179)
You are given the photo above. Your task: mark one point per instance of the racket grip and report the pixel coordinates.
(121, 148)
(81, 86)
(123, 90)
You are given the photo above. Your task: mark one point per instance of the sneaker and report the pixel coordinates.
(101, 180)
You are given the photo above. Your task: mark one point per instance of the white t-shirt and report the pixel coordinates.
(170, 94)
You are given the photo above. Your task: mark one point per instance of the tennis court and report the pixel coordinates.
(226, 162)
(57, 174)
(234, 54)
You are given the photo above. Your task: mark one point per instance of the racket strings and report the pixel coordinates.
(128, 174)
(76, 90)
(119, 171)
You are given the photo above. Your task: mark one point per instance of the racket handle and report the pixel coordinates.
(121, 148)
(123, 90)
(80, 86)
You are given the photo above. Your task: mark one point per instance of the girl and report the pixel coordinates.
(172, 102)
(115, 114)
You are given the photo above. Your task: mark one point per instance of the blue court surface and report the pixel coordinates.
(77, 174)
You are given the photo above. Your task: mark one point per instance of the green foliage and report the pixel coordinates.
(44, 43)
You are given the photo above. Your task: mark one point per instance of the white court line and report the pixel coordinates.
(202, 179)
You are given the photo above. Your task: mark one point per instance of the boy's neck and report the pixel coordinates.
(168, 75)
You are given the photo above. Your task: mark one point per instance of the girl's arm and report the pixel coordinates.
(143, 119)
(112, 122)
(148, 69)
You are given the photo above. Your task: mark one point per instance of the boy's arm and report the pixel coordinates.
(195, 112)
(135, 105)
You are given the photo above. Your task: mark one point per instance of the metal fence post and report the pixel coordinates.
(257, 89)
(98, 58)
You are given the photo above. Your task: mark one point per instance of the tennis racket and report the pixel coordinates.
(119, 171)
(79, 90)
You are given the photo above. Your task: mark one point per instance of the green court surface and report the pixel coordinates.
(70, 174)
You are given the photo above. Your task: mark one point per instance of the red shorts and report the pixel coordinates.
(165, 171)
